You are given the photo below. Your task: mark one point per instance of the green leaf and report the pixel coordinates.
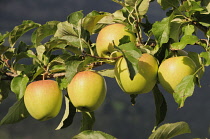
(91, 20)
(65, 29)
(184, 89)
(72, 67)
(160, 104)
(107, 72)
(90, 134)
(175, 30)
(40, 51)
(18, 31)
(88, 120)
(131, 54)
(3, 37)
(161, 30)
(68, 116)
(170, 130)
(168, 3)
(143, 7)
(130, 2)
(4, 89)
(206, 56)
(16, 113)
(75, 41)
(75, 17)
(18, 85)
(43, 31)
(38, 72)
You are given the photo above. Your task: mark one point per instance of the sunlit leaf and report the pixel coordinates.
(107, 72)
(72, 67)
(170, 130)
(75, 17)
(65, 29)
(131, 54)
(18, 31)
(206, 56)
(16, 113)
(43, 31)
(18, 85)
(68, 116)
(143, 7)
(184, 90)
(90, 134)
(161, 30)
(92, 19)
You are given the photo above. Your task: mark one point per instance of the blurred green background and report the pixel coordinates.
(116, 116)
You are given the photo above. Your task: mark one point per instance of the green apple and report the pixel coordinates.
(108, 35)
(43, 99)
(173, 70)
(87, 90)
(143, 81)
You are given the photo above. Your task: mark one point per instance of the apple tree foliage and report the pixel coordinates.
(58, 50)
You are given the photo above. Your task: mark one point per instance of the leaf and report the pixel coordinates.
(75, 17)
(168, 3)
(90, 134)
(175, 30)
(88, 120)
(130, 2)
(206, 56)
(68, 116)
(18, 85)
(43, 31)
(107, 72)
(131, 54)
(75, 41)
(72, 67)
(184, 89)
(170, 130)
(143, 7)
(18, 31)
(160, 104)
(92, 19)
(4, 89)
(40, 51)
(16, 113)
(65, 29)
(161, 30)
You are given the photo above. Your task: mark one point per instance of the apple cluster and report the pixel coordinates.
(87, 90)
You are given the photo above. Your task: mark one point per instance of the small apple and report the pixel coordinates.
(143, 81)
(43, 99)
(173, 70)
(108, 35)
(87, 90)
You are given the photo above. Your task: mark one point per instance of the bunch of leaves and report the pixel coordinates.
(61, 49)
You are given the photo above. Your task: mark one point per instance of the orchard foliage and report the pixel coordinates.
(60, 49)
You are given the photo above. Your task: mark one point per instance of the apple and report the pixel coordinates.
(87, 90)
(108, 35)
(143, 81)
(173, 70)
(43, 99)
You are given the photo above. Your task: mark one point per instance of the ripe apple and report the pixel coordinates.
(173, 70)
(43, 99)
(87, 90)
(108, 35)
(143, 81)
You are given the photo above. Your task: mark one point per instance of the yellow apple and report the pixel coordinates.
(173, 70)
(43, 99)
(143, 81)
(87, 90)
(108, 35)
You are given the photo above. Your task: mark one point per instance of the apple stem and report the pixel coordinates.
(133, 98)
